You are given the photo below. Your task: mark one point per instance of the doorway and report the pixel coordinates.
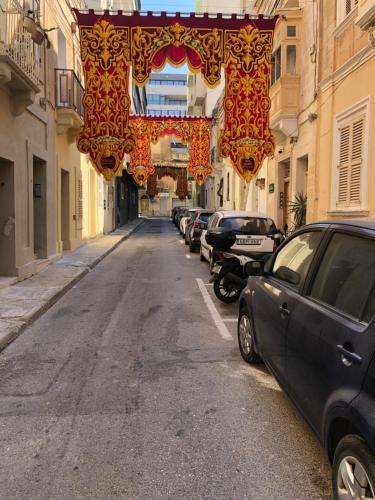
(93, 224)
(7, 219)
(40, 208)
(65, 211)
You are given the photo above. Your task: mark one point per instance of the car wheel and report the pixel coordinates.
(191, 247)
(223, 294)
(245, 330)
(201, 256)
(353, 472)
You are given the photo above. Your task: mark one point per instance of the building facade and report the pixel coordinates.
(321, 118)
(51, 198)
(344, 177)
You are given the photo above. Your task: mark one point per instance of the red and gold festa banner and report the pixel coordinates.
(147, 129)
(141, 166)
(110, 43)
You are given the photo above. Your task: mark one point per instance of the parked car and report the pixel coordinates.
(309, 314)
(186, 217)
(179, 213)
(175, 211)
(194, 228)
(254, 234)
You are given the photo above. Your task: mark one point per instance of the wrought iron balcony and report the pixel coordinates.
(20, 59)
(69, 102)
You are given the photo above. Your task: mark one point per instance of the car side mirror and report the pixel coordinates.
(254, 268)
(285, 274)
(277, 236)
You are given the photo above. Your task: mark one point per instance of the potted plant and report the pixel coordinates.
(298, 209)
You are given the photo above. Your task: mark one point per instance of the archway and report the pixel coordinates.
(111, 43)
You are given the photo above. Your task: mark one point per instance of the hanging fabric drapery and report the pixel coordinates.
(182, 186)
(152, 186)
(147, 129)
(111, 43)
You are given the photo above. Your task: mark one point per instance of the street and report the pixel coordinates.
(132, 386)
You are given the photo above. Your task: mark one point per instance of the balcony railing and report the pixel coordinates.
(16, 43)
(69, 91)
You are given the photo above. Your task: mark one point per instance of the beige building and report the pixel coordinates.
(51, 198)
(322, 102)
(343, 182)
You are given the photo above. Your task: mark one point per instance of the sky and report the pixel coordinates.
(170, 6)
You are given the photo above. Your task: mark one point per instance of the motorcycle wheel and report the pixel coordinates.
(226, 296)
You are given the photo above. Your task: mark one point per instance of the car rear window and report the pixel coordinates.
(204, 217)
(249, 225)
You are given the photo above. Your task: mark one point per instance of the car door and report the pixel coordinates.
(329, 346)
(274, 296)
(205, 247)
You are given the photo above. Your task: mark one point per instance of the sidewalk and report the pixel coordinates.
(22, 303)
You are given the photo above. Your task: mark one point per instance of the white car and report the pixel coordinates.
(253, 231)
(186, 219)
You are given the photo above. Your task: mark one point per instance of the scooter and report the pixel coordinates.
(229, 277)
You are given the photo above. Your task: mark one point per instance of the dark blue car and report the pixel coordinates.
(309, 314)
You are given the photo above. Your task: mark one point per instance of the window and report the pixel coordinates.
(350, 164)
(291, 31)
(344, 279)
(293, 261)
(249, 225)
(291, 59)
(276, 66)
(228, 178)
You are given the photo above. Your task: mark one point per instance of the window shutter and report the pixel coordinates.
(356, 163)
(343, 167)
(350, 164)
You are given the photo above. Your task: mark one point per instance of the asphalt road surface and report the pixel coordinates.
(132, 387)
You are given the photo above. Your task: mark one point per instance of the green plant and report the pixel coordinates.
(298, 209)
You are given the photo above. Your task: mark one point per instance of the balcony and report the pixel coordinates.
(284, 95)
(69, 103)
(366, 14)
(20, 60)
(286, 72)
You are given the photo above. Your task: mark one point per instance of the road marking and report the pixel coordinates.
(223, 330)
(230, 320)
(188, 256)
(208, 284)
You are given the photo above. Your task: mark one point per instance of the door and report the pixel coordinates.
(7, 219)
(65, 210)
(274, 298)
(163, 205)
(40, 208)
(328, 343)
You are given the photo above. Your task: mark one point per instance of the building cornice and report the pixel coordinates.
(352, 64)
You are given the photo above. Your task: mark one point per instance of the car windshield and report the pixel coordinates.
(249, 225)
(204, 217)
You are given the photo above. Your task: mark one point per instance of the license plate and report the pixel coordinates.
(249, 242)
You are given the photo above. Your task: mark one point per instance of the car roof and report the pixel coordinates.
(242, 213)
(362, 223)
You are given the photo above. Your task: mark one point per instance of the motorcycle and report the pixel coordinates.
(229, 277)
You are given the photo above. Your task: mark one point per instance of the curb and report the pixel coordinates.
(8, 338)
